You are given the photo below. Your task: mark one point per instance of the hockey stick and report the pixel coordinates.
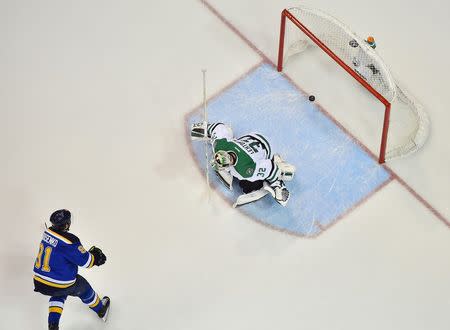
(205, 123)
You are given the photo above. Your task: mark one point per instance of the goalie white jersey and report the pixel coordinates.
(253, 152)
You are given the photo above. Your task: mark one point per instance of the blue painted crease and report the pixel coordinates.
(333, 172)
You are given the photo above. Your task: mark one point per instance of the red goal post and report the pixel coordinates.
(352, 53)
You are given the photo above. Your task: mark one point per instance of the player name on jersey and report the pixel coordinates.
(50, 240)
(246, 146)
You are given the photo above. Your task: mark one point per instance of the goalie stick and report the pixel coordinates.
(205, 123)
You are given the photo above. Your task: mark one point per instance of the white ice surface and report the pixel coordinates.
(92, 102)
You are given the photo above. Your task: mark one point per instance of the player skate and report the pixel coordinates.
(104, 311)
(248, 159)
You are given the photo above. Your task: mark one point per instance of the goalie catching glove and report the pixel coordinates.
(279, 191)
(99, 257)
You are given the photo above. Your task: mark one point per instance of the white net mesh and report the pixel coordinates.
(418, 134)
(356, 53)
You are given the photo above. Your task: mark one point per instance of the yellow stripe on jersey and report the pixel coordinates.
(62, 238)
(92, 261)
(55, 310)
(95, 303)
(55, 285)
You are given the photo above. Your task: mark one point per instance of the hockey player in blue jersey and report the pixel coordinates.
(56, 269)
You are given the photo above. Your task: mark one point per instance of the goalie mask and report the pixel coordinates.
(222, 160)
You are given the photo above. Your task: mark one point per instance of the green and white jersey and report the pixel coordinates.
(253, 153)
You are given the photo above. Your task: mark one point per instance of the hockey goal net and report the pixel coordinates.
(309, 27)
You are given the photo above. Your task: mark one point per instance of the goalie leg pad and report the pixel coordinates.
(250, 186)
(250, 197)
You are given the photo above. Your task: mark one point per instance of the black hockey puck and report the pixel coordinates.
(312, 98)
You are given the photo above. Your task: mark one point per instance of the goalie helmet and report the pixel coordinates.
(222, 160)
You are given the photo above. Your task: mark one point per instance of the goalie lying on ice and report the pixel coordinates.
(248, 159)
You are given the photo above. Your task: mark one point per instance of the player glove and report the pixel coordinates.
(99, 257)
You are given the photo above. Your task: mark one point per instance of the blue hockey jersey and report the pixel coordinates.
(60, 254)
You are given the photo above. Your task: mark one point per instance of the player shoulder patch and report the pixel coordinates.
(249, 171)
(81, 249)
